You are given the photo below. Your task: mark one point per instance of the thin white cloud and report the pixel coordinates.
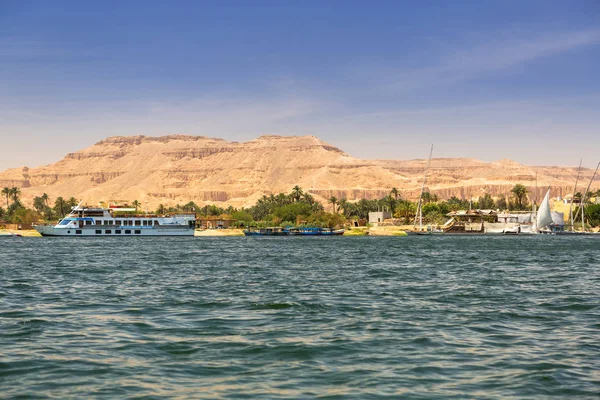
(475, 61)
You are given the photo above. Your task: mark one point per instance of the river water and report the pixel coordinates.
(337, 317)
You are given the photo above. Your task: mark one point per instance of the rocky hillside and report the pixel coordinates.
(177, 169)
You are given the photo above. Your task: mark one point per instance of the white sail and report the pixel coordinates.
(544, 216)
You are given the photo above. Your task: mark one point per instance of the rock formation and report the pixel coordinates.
(177, 169)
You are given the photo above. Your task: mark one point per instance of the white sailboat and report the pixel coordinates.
(420, 204)
(544, 216)
(419, 214)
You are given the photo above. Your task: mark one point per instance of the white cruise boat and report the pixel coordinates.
(84, 221)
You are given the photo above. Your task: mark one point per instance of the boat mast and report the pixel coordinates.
(583, 199)
(573, 197)
(420, 205)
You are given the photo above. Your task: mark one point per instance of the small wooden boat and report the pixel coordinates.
(290, 231)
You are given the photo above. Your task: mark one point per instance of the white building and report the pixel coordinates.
(379, 216)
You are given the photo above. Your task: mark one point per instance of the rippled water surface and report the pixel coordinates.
(362, 317)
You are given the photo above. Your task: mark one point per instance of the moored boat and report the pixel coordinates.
(315, 232)
(291, 231)
(86, 221)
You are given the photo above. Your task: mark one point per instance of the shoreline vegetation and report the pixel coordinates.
(297, 208)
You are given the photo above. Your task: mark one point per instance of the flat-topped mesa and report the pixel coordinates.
(294, 143)
(180, 168)
(139, 139)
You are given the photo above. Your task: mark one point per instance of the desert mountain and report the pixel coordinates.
(177, 169)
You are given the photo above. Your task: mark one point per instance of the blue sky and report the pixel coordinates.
(379, 79)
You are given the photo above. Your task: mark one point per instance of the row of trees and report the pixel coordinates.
(298, 206)
(16, 212)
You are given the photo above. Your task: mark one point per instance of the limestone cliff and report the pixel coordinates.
(178, 168)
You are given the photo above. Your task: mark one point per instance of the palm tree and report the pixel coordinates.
(161, 210)
(520, 193)
(44, 198)
(38, 204)
(343, 205)
(588, 197)
(308, 198)
(297, 193)
(59, 206)
(6, 191)
(426, 198)
(15, 192)
(390, 202)
(333, 200)
(136, 204)
(394, 192)
(72, 202)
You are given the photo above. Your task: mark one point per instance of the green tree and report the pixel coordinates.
(520, 193)
(15, 193)
(22, 215)
(389, 202)
(39, 204)
(486, 202)
(242, 217)
(161, 210)
(429, 198)
(501, 203)
(456, 204)
(592, 212)
(394, 192)
(136, 204)
(307, 198)
(297, 193)
(191, 207)
(290, 212)
(588, 197)
(6, 191)
(72, 202)
(60, 206)
(14, 208)
(333, 201)
(45, 198)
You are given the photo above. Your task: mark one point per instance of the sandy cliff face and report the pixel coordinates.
(177, 169)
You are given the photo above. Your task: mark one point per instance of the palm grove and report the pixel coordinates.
(300, 208)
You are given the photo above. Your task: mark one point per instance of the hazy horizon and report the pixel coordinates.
(379, 80)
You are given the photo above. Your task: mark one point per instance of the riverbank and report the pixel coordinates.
(363, 231)
(219, 232)
(28, 233)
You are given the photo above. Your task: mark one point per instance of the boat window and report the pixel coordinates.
(88, 222)
(118, 232)
(107, 231)
(155, 223)
(137, 223)
(78, 232)
(98, 231)
(137, 231)
(117, 222)
(127, 232)
(65, 222)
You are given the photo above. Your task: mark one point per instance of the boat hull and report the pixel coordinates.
(294, 232)
(120, 232)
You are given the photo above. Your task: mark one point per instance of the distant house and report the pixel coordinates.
(214, 222)
(379, 216)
